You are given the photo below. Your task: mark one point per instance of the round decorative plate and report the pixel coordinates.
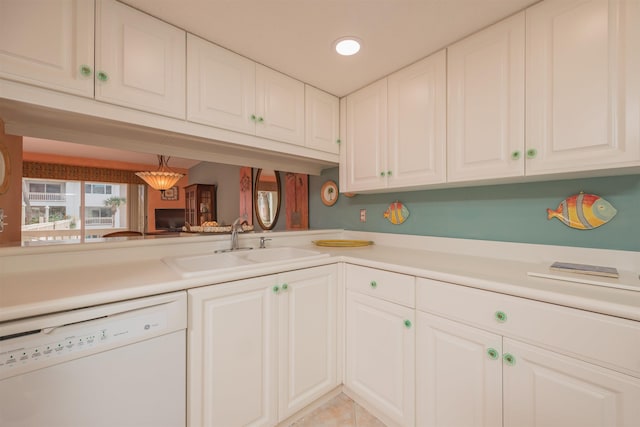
(329, 193)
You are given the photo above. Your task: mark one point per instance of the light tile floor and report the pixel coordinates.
(340, 411)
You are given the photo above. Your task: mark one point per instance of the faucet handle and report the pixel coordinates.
(263, 240)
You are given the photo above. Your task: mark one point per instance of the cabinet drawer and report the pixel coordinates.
(395, 287)
(605, 340)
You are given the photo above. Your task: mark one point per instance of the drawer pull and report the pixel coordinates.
(501, 316)
(492, 353)
(373, 284)
(276, 289)
(285, 287)
(407, 323)
(509, 359)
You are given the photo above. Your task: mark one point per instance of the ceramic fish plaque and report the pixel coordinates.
(583, 211)
(396, 213)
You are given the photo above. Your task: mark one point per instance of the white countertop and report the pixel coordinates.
(50, 280)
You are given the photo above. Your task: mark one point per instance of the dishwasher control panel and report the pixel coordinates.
(35, 349)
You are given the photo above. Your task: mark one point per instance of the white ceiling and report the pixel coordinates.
(59, 148)
(296, 36)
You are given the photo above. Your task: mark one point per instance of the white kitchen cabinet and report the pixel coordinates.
(232, 354)
(543, 388)
(279, 106)
(416, 145)
(557, 366)
(380, 346)
(229, 91)
(396, 129)
(458, 374)
(321, 120)
(583, 85)
(485, 120)
(307, 354)
(366, 141)
(261, 349)
(140, 60)
(48, 43)
(221, 87)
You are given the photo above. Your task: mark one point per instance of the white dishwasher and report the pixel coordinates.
(113, 365)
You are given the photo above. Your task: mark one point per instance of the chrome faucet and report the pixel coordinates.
(236, 228)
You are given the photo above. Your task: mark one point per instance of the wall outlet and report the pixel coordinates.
(363, 215)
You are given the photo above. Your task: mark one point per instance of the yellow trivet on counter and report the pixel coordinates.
(343, 243)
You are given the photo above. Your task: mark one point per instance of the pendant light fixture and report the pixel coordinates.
(162, 179)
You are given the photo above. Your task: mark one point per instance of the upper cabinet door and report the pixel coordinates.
(583, 85)
(279, 106)
(486, 103)
(366, 138)
(140, 60)
(48, 43)
(417, 123)
(220, 86)
(321, 123)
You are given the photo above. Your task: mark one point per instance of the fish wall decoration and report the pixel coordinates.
(583, 211)
(396, 213)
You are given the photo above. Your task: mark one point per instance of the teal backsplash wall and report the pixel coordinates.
(508, 212)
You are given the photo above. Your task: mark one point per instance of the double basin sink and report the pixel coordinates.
(197, 265)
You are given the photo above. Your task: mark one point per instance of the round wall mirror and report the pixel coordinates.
(5, 169)
(266, 198)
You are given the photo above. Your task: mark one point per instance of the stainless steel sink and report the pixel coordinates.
(196, 265)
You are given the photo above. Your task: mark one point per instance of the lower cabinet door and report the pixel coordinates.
(307, 337)
(458, 374)
(542, 388)
(380, 355)
(232, 348)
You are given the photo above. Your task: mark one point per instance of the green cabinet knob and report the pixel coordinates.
(276, 289)
(382, 173)
(102, 76)
(407, 323)
(285, 287)
(501, 316)
(509, 359)
(388, 173)
(373, 284)
(260, 119)
(253, 117)
(515, 155)
(85, 70)
(532, 153)
(338, 141)
(492, 353)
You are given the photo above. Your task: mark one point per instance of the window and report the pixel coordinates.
(41, 187)
(58, 210)
(97, 189)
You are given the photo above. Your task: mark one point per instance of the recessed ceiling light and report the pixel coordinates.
(347, 46)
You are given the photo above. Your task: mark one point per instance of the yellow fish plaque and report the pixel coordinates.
(583, 211)
(396, 213)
